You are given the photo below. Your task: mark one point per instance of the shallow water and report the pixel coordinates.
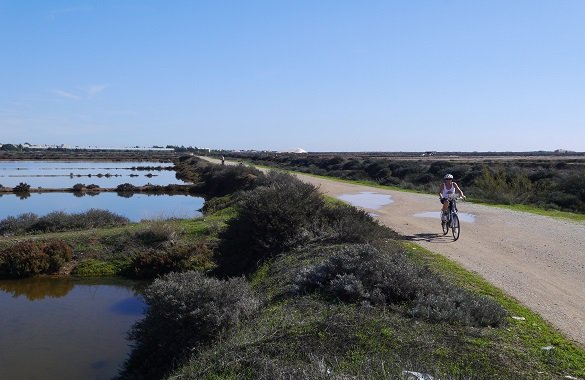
(65, 329)
(367, 199)
(136, 208)
(463, 217)
(62, 174)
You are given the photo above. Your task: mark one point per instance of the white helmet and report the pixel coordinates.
(448, 176)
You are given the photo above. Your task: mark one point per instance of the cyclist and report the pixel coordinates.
(448, 187)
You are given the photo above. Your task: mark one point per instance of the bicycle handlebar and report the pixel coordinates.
(456, 197)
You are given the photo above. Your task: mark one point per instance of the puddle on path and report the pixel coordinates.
(366, 199)
(464, 217)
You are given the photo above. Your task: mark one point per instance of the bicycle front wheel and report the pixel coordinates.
(445, 226)
(455, 227)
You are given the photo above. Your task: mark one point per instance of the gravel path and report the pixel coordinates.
(538, 260)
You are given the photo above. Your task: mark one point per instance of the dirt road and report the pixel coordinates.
(540, 261)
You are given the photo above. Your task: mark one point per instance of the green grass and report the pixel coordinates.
(98, 268)
(571, 216)
(208, 224)
(532, 334)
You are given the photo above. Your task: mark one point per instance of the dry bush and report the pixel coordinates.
(29, 258)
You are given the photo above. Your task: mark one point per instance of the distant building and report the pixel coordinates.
(295, 150)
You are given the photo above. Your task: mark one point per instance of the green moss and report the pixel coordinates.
(94, 268)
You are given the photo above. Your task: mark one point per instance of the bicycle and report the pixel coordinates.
(452, 220)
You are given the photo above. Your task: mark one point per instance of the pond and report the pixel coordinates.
(136, 208)
(65, 174)
(60, 328)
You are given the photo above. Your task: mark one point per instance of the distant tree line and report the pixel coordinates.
(557, 184)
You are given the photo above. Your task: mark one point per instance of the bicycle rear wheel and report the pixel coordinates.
(455, 227)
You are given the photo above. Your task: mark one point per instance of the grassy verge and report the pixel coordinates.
(136, 249)
(526, 330)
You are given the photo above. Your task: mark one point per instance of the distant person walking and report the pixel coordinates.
(222, 160)
(448, 187)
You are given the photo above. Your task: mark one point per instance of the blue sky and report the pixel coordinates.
(323, 75)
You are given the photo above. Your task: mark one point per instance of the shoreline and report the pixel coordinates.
(158, 189)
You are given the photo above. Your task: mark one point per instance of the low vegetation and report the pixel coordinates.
(185, 311)
(59, 221)
(341, 297)
(276, 282)
(29, 258)
(542, 182)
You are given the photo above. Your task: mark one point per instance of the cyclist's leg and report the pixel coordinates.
(445, 209)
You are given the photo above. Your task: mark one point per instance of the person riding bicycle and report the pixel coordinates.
(448, 187)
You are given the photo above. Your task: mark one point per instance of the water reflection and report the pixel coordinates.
(67, 329)
(37, 288)
(57, 174)
(128, 306)
(135, 207)
(367, 199)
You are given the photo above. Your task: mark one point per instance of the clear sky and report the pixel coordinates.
(322, 75)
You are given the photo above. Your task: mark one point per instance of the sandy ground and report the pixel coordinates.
(538, 260)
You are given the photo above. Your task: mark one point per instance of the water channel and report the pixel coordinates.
(60, 328)
(59, 174)
(66, 328)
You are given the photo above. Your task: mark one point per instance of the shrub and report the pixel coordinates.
(185, 311)
(159, 233)
(362, 273)
(59, 253)
(59, 221)
(28, 258)
(25, 258)
(52, 222)
(218, 180)
(78, 187)
(454, 305)
(22, 188)
(20, 224)
(153, 263)
(348, 224)
(96, 218)
(126, 188)
(272, 218)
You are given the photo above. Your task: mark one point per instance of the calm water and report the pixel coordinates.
(367, 199)
(136, 208)
(59, 174)
(65, 329)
